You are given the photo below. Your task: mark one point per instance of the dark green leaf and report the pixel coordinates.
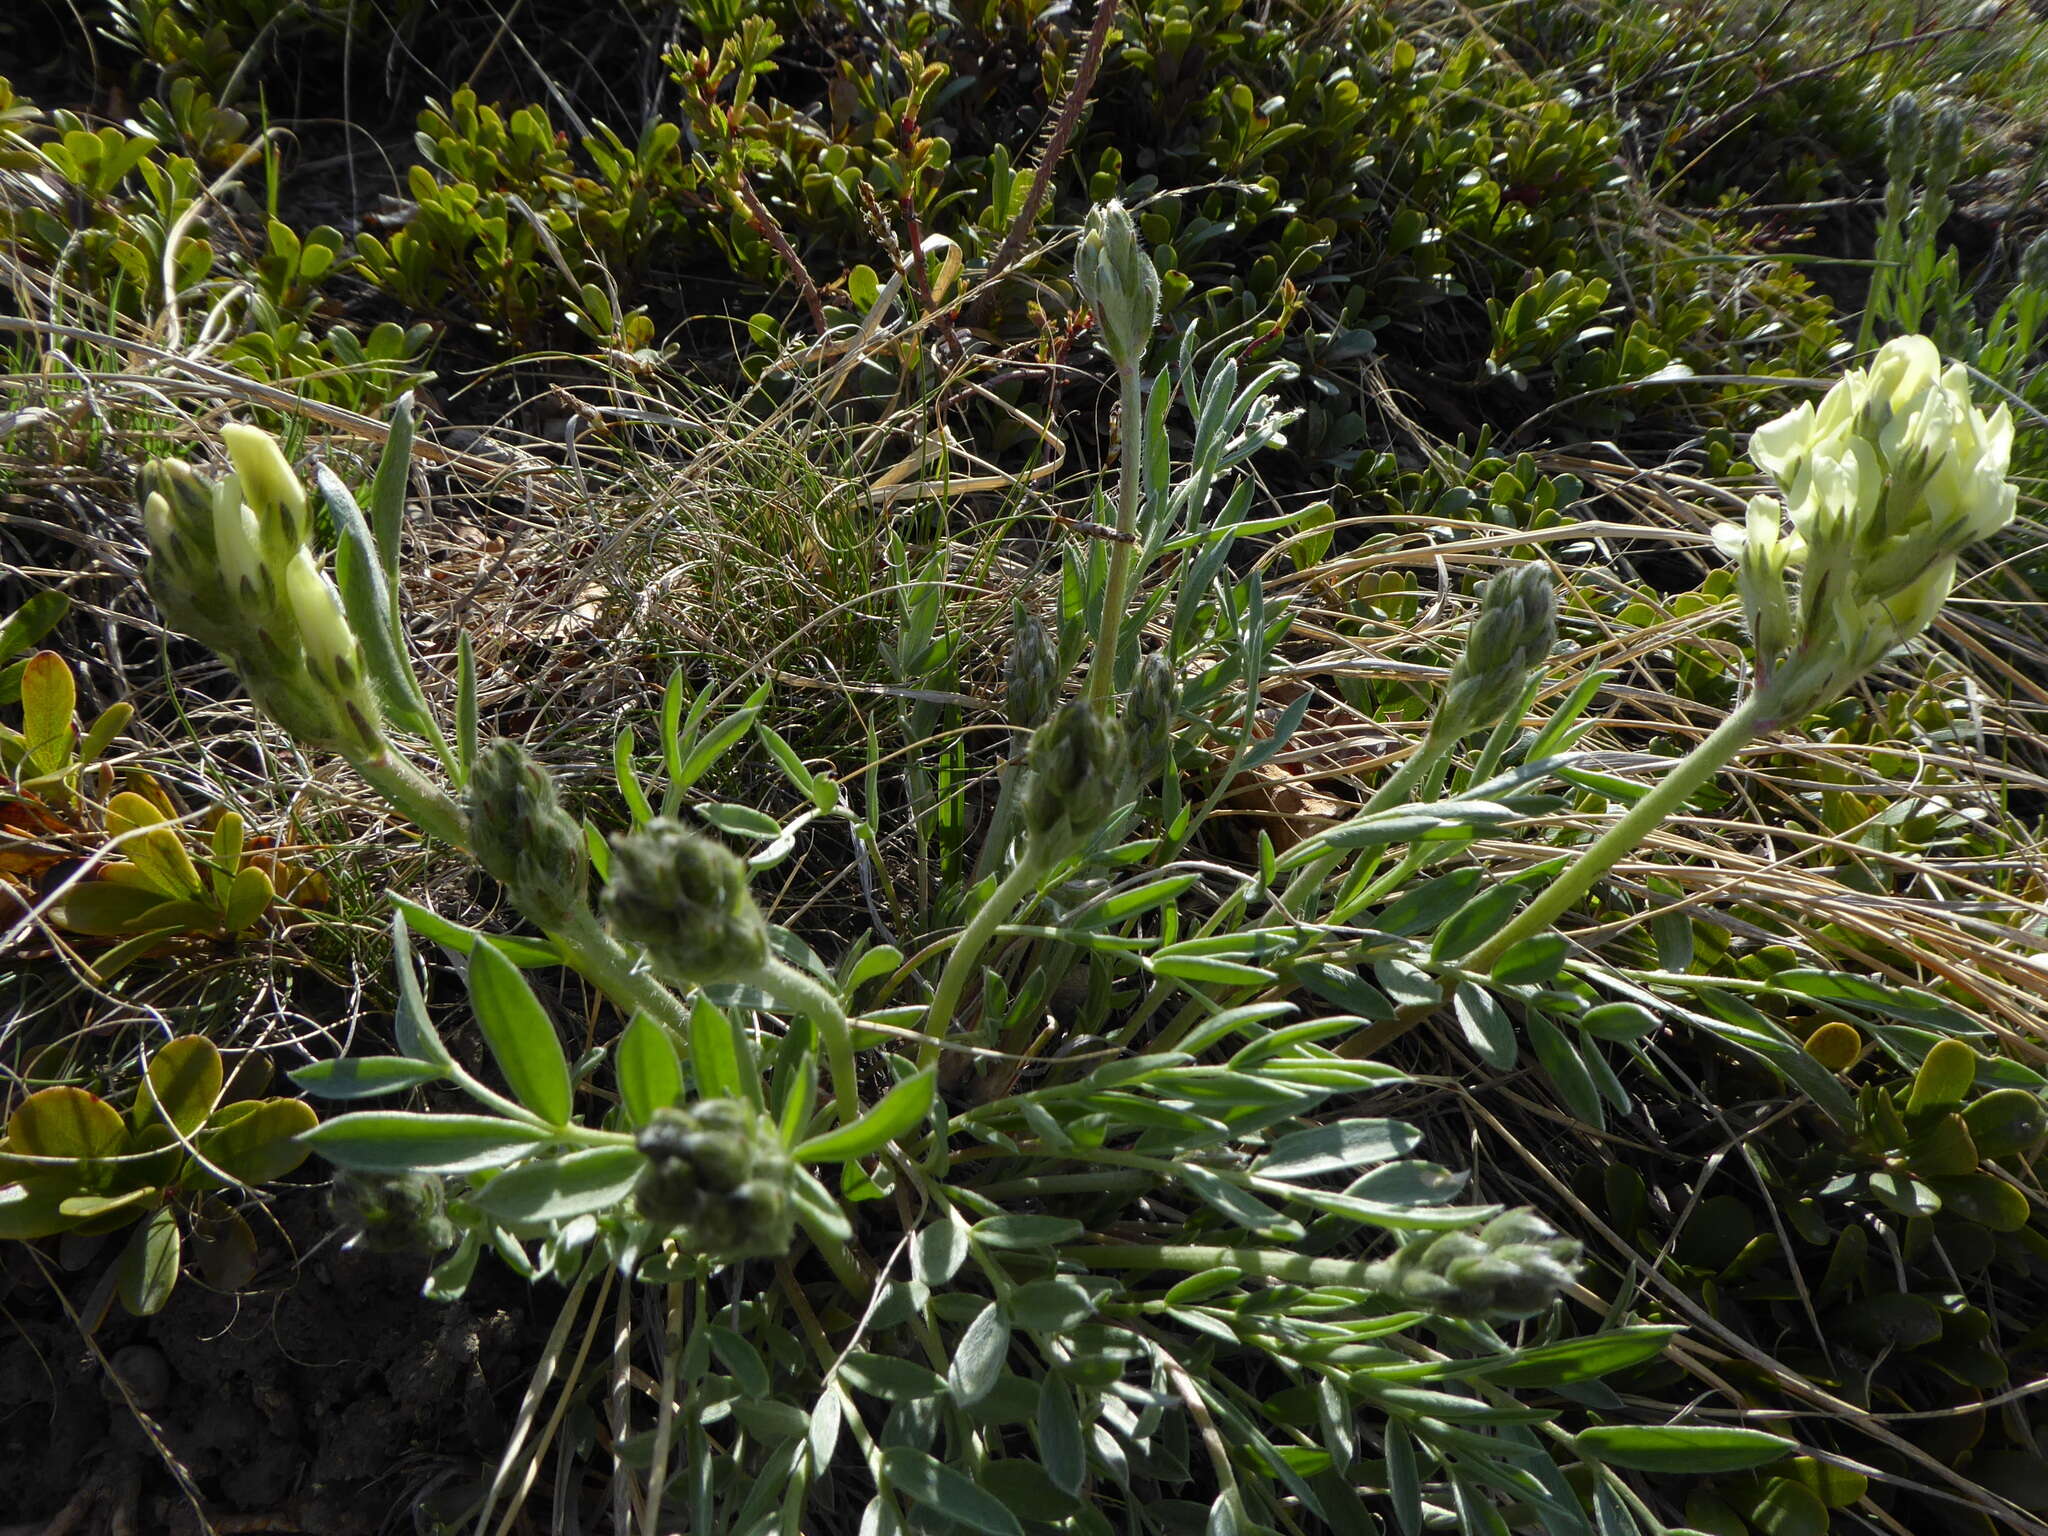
(1689, 1449)
(148, 1268)
(1533, 962)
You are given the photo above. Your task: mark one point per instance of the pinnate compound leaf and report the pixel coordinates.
(520, 1034)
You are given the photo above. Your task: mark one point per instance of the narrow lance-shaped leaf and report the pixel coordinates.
(520, 1034)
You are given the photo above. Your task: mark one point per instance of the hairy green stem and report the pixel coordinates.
(793, 989)
(1102, 667)
(1310, 877)
(1265, 1263)
(619, 974)
(423, 802)
(1755, 716)
(1020, 884)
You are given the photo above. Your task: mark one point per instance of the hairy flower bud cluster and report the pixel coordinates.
(232, 564)
(1148, 718)
(1031, 674)
(719, 1177)
(1513, 1267)
(1510, 640)
(1120, 284)
(522, 836)
(392, 1212)
(1885, 483)
(683, 898)
(1077, 767)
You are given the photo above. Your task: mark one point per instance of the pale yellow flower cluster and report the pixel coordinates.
(232, 564)
(1884, 484)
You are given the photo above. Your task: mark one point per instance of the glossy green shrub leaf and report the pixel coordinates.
(183, 1080)
(1689, 1449)
(66, 1122)
(1944, 1078)
(2005, 1121)
(393, 1141)
(49, 697)
(520, 1034)
(263, 1144)
(147, 1270)
(43, 612)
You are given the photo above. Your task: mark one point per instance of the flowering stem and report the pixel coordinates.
(619, 973)
(1310, 877)
(423, 802)
(800, 993)
(1756, 715)
(1102, 669)
(1264, 1263)
(1020, 884)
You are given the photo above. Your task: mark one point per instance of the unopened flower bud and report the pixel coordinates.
(2034, 263)
(522, 836)
(719, 1177)
(1510, 640)
(1944, 145)
(1148, 718)
(684, 899)
(1119, 282)
(237, 545)
(1905, 128)
(1031, 674)
(392, 1212)
(1076, 763)
(273, 492)
(1513, 1267)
